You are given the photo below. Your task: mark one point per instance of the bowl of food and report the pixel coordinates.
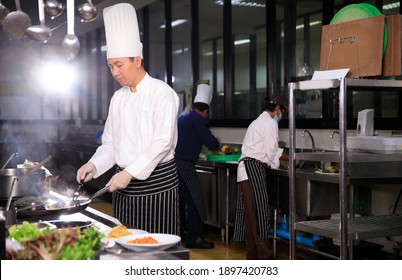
(148, 242)
(110, 235)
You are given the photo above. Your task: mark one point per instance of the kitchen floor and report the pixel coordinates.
(232, 251)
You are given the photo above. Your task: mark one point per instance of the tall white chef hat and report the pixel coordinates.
(204, 94)
(122, 32)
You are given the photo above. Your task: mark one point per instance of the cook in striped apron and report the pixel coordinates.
(190, 189)
(147, 204)
(252, 201)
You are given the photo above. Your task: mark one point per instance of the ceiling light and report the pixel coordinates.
(242, 3)
(102, 49)
(391, 6)
(301, 26)
(211, 53)
(241, 42)
(176, 22)
(179, 51)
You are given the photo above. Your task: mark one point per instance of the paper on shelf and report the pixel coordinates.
(324, 79)
(330, 74)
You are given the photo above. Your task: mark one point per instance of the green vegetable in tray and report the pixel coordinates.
(332, 169)
(26, 231)
(85, 246)
(328, 169)
(55, 244)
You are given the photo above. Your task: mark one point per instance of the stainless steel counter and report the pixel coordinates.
(316, 194)
(219, 186)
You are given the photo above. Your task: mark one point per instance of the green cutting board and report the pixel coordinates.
(222, 158)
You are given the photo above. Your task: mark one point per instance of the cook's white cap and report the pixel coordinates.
(122, 32)
(204, 94)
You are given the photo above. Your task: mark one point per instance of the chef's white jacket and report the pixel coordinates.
(261, 143)
(140, 130)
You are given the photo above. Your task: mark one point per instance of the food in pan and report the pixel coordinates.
(143, 240)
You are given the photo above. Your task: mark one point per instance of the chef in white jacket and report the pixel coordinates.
(140, 134)
(259, 152)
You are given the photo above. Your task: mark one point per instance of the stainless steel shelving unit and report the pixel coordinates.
(345, 228)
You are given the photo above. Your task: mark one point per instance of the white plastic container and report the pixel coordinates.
(365, 123)
(375, 144)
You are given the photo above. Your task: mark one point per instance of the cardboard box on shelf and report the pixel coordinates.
(392, 63)
(356, 44)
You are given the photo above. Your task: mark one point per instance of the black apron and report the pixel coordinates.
(151, 204)
(257, 176)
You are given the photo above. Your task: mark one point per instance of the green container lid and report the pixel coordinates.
(222, 158)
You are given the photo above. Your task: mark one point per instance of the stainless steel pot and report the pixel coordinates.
(9, 215)
(26, 185)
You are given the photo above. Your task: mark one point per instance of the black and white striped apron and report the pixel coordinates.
(151, 204)
(188, 174)
(257, 176)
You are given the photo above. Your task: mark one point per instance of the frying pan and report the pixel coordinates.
(54, 207)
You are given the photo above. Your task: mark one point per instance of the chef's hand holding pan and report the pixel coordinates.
(86, 172)
(119, 181)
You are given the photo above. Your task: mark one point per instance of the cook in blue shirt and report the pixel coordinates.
(193, 134)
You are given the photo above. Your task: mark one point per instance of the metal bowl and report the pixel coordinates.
(60, 224)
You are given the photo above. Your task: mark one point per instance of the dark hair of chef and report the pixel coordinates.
(272, 102)
(201, 106)
(270, 106)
